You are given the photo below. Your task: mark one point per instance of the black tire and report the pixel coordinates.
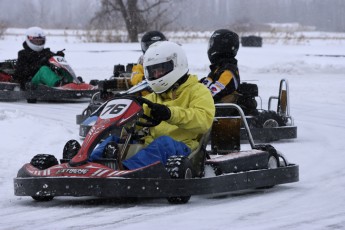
(264, 117)
(43, 198)
(43, 161)
(70, 149)
(179, 167)
(273, 161)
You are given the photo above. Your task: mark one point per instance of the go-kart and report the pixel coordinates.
(9, 91)
(218, 168)
(269, 125)
(75, 91)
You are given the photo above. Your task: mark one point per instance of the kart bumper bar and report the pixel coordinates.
(152, 187)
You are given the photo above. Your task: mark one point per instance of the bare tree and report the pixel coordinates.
(3, 28)
(136, 16)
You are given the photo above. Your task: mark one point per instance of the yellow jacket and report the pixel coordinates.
(137, 74)
(192, 113)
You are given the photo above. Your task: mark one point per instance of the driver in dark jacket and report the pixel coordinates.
(224, 79)
(33, 60)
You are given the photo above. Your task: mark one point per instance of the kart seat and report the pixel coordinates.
(198, 156)
(225, 135)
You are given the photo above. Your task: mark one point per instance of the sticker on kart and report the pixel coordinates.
(115, 108)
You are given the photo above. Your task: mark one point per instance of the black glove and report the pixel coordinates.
(60, 53)
(160, 112)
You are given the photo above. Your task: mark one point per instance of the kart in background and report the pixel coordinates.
(269, 124)
(75, 91)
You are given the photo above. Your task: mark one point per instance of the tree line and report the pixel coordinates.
(138, 16)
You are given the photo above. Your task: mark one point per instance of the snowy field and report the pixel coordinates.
(316, 79)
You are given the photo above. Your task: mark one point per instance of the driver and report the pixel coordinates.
(184, 107)
(32, 63)
(224, 79)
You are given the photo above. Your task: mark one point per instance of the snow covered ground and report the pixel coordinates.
(316, 79)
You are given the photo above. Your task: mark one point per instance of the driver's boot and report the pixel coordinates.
(112, 151)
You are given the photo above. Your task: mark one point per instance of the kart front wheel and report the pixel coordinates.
(43, 161)
(70, 149)
(179, 167)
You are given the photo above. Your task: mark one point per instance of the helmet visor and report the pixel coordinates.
(39, 41)
(157, 71)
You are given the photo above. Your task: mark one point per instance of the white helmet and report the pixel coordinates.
(165, 63)
(35, 38)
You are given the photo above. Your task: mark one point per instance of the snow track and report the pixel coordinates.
(317, 105)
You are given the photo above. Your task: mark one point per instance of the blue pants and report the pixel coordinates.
(159, 150)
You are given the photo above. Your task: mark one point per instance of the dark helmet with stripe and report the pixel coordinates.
(223, 44)
(151, 37)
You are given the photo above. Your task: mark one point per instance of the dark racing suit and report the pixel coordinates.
(223, 80)
(28, 64)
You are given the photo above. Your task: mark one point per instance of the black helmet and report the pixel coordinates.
(223, 44)
(151, 37)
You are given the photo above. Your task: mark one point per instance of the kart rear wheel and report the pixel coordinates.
(272, 162)
(268, 119)
(265, 116)
(43, 161)
(179, 167)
